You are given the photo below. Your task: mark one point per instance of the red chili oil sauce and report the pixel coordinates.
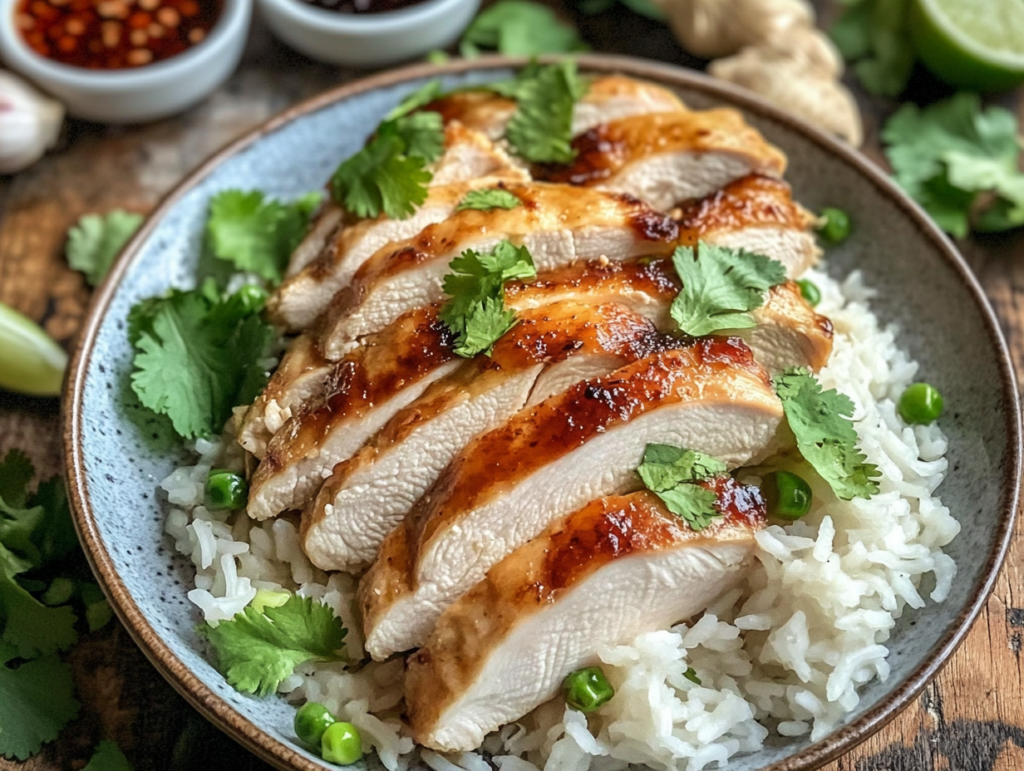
(114, 34)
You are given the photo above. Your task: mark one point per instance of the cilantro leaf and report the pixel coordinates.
(476, 312)
(256, 651)
(421, 97)
(31, 628)
(381, 178)
(720, 286)
(874, 36)
(487, 199)
(422, 133)
(953, 156)
(37, 703)
(519, 28)
(108, 757)
(671, 472)
(825, 436)
(541, 127)
(255, 233)
(196, 358)
(16, 471)
(96, 239)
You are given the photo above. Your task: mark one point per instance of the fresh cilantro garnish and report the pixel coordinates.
(519, 28)
(541, 128)
(959, 162)
(487, 199)
(476, 312)
(37, 702)
(255, 233)
(421, 97)
(720, 287)
(197, 355)
(96, 239)
(874, 36)
(825, 436)
(422, 133)
(35, 531)
(108, 757)
(670, 473)
(691, 675)
(256, 651)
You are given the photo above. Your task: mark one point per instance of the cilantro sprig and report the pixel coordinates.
(519, 28)
(390, 173)
(959, 162)
(671, 473)
(257, 650)
(256, 233)
(96, 239)
(197, 355)
(825, 436)
(487, 199)
(540, 130)
(720, 287)
(874, 36)
(476, 312)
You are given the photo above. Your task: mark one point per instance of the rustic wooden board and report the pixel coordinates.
(970, 719)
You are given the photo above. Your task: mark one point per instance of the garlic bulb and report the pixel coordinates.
(789, 82)
(713, 28)
(29, 123)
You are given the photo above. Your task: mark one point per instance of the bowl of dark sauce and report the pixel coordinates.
(367, 33)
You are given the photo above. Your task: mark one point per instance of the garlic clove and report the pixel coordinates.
(30, 123)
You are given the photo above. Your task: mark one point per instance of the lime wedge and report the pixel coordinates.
(30, 362)
(972, 44)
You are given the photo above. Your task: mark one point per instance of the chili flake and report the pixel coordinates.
(114, 34)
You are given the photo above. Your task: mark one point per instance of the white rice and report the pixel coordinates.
(790, 649)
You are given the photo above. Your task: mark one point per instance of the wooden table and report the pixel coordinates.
(970, 719)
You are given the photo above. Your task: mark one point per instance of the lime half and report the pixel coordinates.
(973, 44)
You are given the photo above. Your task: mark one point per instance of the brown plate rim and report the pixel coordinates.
(279, 754)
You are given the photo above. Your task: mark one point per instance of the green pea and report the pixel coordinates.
(809, 291)
(587, 689)
(225, 490)
(788, 496)
(341, 744)
(836, 227)
(311, 721)
(921, 403)
(30, 361)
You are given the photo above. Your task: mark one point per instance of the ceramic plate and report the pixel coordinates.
(924, 286)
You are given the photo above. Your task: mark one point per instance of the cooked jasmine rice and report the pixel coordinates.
(789, 649)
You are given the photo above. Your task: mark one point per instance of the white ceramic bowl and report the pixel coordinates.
(134, 95)
(368, 40)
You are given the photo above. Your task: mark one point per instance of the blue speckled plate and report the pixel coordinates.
(115, 461)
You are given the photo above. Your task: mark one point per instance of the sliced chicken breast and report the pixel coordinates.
(321, 229)
(615, 569)
(666, 158)
(362, 393)
(371, 492)
(558, 224)
(609, 98)
(508, 485)
(470, 160)
(788, 333)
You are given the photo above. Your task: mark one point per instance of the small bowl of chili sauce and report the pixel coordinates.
(367, 33)
(124, 61)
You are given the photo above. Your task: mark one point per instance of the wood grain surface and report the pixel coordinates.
(970, 719)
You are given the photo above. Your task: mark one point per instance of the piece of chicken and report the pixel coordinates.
(549, 350)
(667, 158)
(360, 395)
(756, 212)
(608, 98)
(508, 485)
(558, 224)
(615, 569)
